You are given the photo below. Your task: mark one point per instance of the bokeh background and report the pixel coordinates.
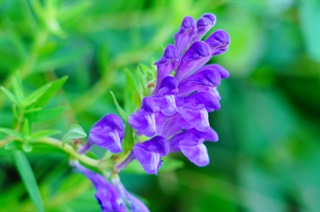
(267, 158)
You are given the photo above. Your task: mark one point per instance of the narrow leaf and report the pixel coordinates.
(11, 132)
(76, 131)
(26, 128)
(44, 133)
(122, 113)
(29, 179)
(18, 89)
(36, 94)
(46, 96)
(32, 110)
(11, 96)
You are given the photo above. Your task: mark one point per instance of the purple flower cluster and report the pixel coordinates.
(112, 197)
(177, 112)
(174, 117)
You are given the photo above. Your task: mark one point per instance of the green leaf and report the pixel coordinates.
(26, 129)
(44, 133)
(12, 132)
(142, 80)
(76, 131)
(32, 110)
(18, 89)
(11, 96)
(50, 91)
(29, 179)
(47, 114)
(132, 93)
(32, 98)
(122, 113)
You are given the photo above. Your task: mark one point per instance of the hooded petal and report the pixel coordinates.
(189, 142)
(168, 62)
(195, 57)
(200, 81)
(144, 122)
(218, 42)
(149, 153)
(165, 104)
(204, 24)
(186, 34)
(174, 125)
(202, 100)
(108, 133)
(198, 118)
(222, 71)
(169, 85)
(197, 153)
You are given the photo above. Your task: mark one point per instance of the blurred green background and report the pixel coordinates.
(267, 157)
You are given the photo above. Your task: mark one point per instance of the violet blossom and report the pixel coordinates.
(108, 133)
(177, 111)
(111, 196)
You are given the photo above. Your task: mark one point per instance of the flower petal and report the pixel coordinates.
(144, 122)
(108, 195)
(198, 118)
(195, 57)
(193, 137)
(200, 81)
(218, 42)
(108, 133)
(186, 34)
(201, 100)
(169, 85)
(222, 71)
(204, 24)
(197, 154)
(149, 153)
(168, 62)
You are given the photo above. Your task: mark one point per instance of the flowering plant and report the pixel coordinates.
(172, 116)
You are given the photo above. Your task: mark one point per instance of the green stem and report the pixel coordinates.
(71, 151)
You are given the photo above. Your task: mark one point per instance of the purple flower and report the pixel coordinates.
(108, 195)
(178, 108)
(108, 133)
(150, 118)
(190, 143)
(112, 197)
(149, 153)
